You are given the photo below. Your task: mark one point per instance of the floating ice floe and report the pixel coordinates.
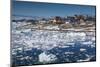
(47, 58)
(83, 60)
(88, 42)
(82, 49)
(69, 52)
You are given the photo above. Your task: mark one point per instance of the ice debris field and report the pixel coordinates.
(30, 47)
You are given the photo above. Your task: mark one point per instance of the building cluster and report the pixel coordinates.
(70, 21)
(75, 21)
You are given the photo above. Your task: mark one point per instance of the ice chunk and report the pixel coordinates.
(82, 49)
(88, 42)
(47, 58)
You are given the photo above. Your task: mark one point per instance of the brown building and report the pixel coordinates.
(58, 20)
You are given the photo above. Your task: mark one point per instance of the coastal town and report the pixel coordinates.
(57, 23)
